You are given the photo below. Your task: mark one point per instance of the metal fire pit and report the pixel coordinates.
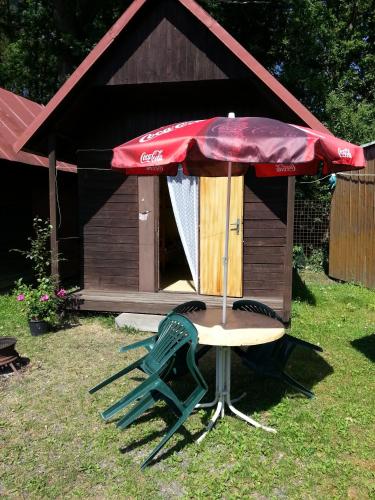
(8, 353)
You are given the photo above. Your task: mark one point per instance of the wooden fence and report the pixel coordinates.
(352, 225)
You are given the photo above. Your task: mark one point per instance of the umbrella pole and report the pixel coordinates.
(226, 246)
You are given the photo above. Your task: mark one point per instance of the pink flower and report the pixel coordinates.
(61, 293)
(44, 298)
(21, 297)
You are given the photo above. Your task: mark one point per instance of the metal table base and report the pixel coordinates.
(223, 395)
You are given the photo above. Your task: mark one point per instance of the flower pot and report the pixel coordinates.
(38, 327)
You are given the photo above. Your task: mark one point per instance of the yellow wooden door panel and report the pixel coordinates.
(213, 197)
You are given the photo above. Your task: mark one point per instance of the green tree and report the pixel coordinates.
(43, 41)
(323, 51)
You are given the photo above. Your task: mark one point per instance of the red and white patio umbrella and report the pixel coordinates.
(222, 146)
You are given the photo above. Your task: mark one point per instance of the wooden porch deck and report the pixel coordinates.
(151, 303)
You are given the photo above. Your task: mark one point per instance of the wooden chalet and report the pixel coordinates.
(24, 192)
(164, 61)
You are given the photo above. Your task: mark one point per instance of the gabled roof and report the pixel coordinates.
(213, 26)
(16, 114)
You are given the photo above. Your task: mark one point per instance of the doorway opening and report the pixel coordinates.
(174, 272)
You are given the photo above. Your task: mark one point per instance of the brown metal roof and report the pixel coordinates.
(16, 114)
(236, 48)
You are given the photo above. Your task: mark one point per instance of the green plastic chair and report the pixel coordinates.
(175, 333)
(176, 366)
(179, 365)
(148, 344)
(270, 360)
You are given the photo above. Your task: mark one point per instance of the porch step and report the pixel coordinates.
(142, 322)
(157, 303)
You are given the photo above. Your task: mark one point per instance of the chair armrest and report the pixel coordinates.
(147, 343)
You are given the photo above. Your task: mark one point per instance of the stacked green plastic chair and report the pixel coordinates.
(148, 344)
(175, 332)
(179, 367)
(269, 360)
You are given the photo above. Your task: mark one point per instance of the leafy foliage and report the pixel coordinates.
(39, 253)
(354, 119)
(42, 300)
(314, 259)
(299, 257)
(43, 41)
(323, 51)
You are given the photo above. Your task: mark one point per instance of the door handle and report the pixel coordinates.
(236, 226)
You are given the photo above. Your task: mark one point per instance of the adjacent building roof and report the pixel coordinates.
(240, 52)
(16, 114)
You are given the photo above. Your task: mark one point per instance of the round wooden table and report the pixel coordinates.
(242, 328)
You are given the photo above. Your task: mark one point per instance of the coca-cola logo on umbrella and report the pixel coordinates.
(154, 135)
(152, 157)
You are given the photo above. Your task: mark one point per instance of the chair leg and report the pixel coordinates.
(296, 385)
(137, 393)
(115, 376)
(171, 431)
(165, 390)
(143, 405)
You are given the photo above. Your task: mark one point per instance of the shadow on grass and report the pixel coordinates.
(162, 413)
(169, 418)
(68, 323)
(366, 345)
(306, 366)
(300, 291)
(262, 394)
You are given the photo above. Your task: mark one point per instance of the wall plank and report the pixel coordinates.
(265, 236)
(109, 230)
(352, 228)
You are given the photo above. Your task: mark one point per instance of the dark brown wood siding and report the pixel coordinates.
(265, 236)
(109, 227)
(157, 47)
(23, 196)
(16, 214)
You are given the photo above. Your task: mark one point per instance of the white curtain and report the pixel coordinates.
(183, 191)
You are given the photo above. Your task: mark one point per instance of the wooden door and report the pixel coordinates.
(213, 197)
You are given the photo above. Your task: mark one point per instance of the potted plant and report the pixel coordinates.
(43, 304)
(42, 301)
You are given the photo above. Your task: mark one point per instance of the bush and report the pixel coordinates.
(315, 259)
(299, 257)
(43, 300)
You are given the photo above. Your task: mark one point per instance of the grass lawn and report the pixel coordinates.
(54, 444)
